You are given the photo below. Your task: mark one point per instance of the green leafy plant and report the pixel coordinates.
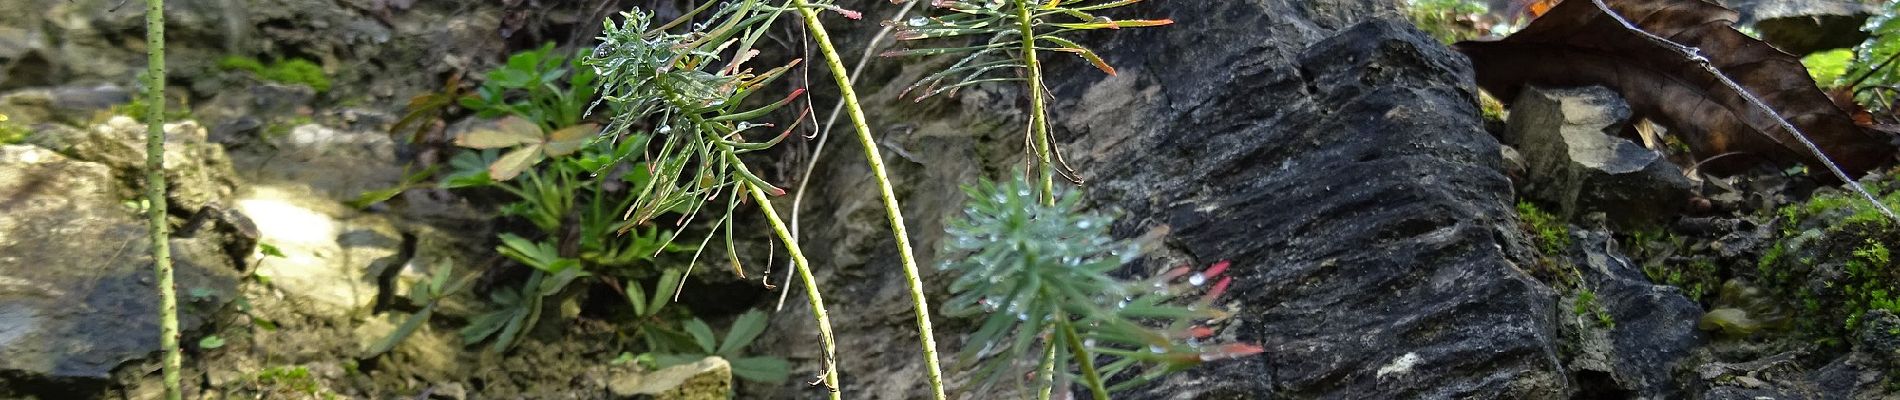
(518, 309)
(1000, 41)
(539, 85)
(295, 71)
(429, 295)
(740, 335)
(691, 88)
(1872, 73)
(1038, 276)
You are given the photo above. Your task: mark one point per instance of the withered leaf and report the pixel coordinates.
(1578, 43)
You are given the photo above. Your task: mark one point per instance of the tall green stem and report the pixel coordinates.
(155, 193)
(891, 209)
(811, 289)
(1038, 121)
(1082, 356)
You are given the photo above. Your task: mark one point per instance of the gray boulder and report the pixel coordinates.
(77, 298)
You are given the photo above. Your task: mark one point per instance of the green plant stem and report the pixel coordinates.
(1082, 356)
(811, 287)
(1048, 374)
(891, 208)
(1038, 121)
(155, 194)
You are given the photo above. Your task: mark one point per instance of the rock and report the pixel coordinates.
(1800, 27)
(1339, 163)
(336, 164)
(77, 298)
(255, 114)
(1880, 336)
(70, 105)
(1652, 328)
(1576, 161)
(708, 379)
(197, 172)
(330, 251)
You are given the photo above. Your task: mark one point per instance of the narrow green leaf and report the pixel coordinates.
(761, 369)
(702, 334)
(743, 331)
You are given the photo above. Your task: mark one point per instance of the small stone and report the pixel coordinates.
(1574, 160)
(707, 379)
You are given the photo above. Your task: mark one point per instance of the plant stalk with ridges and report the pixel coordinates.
(155, 194)
(811, 288)
(891, 207)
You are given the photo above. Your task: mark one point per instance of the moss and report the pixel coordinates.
(177, 109)
(287, 381)
(10, 133)
(1552, 234)
(280, 128)
(1832, 261)
(1587, 305)
(295, 71)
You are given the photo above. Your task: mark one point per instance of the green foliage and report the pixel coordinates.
(430, 295)
(295, 71)
(695, 103)
(1551, 233)
(739, 336)
(1449, 21)
(10, 133)
(1023, 283)
(287, 383)
(1828, 67)
(1586, 305)
(538, 85)
(1872, 58)
(1840, 242)
(986, 33)
(177, 109)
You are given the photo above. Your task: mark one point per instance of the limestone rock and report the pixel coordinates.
(708, 379)
(70, 105)
(197, 172)
(330, 251)
(77, 298)
(1576, 161)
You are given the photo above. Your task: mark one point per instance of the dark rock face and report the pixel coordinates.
(1652, 329)
(1340, 165)
(76, 286)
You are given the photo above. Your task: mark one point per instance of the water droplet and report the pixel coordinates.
(919, 21)
(1022, 316)
(1157, 349)
(1121, 304)
(1089, 343)
(1197, 279)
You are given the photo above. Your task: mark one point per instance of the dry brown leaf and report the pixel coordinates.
(1578, 44)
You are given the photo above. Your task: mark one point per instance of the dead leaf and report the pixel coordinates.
(505, 132)
(570, 139)
(1579, 44)
(514, 162)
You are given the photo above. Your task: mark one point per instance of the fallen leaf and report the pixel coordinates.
(505, 132)
(1579, 44)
